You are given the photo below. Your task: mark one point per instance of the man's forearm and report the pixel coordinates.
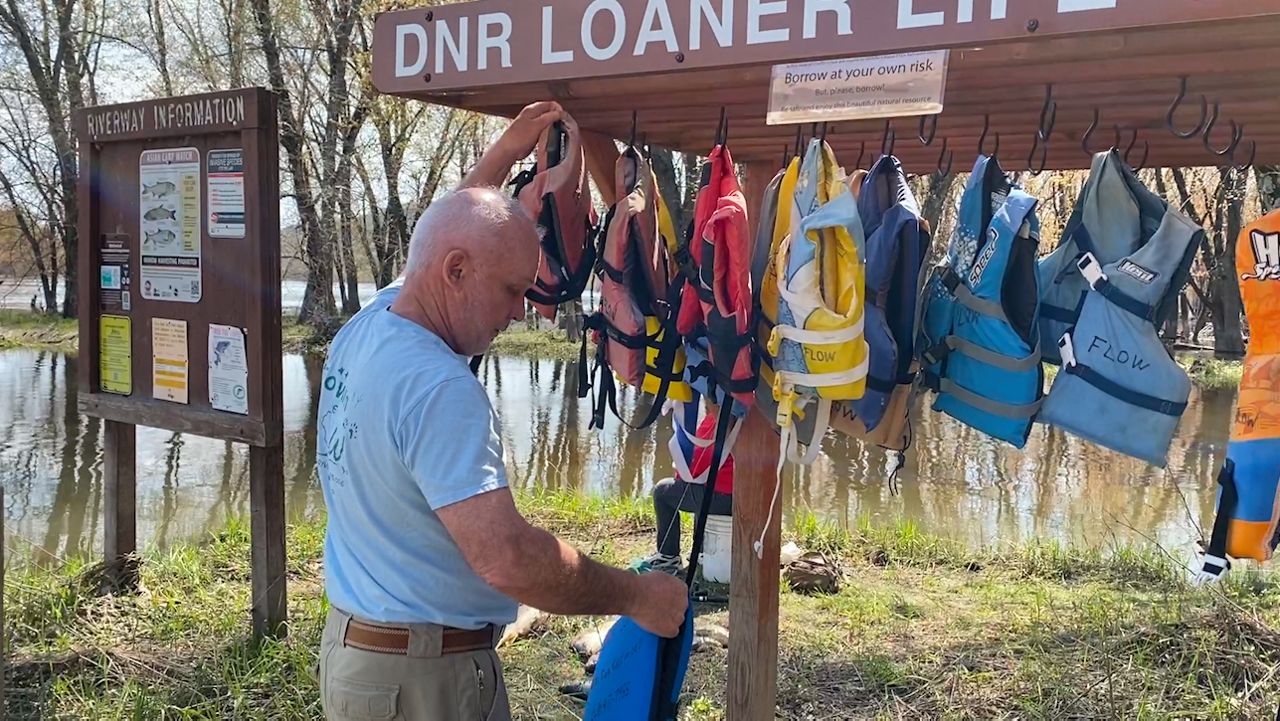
(551, 575)
(491, 170)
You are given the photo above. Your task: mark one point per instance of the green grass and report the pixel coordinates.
(548, 344)
(24, 329)
(922, 628)
(1213, 374)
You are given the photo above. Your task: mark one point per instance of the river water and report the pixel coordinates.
(956, 483)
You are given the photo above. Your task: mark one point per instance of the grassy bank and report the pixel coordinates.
(922, 628)
(542, 343)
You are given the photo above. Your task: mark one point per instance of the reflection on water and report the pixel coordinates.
(956, 482)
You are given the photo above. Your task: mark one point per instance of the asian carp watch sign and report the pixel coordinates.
(498, 42)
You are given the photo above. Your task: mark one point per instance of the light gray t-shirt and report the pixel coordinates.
(404, 429)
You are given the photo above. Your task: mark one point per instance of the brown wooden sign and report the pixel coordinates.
(186, 313)
(498, 42)
(180, 298)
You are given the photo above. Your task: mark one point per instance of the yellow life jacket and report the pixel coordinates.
(818, 344)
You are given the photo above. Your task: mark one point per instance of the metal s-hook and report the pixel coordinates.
(932, 132)
(949, 156)
(982, 141)
(799, 141)
(862, 153)
(823, 134)
(1087, 138)
(635, 116)
(889, 140)
(1133, 141)
(1048, 116)
(1253, 156)
(1173, 109)
(1237, 134)
(722, 130)
(1041, 144)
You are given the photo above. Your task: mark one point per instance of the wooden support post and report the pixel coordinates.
(267, 558)
(120, 511)
(753, 593)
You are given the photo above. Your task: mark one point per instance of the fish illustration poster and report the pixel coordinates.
(228, 369)
(170, 226)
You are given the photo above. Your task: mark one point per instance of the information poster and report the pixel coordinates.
(169, 366)
(228, 370)
(113, 273)
(226, 193)
(888, 86)
(115, 354)
(170, 225)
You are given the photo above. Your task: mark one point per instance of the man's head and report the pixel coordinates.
(473, 255)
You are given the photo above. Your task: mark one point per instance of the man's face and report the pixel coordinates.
(496, 298)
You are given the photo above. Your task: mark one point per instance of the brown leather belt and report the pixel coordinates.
(395, 640)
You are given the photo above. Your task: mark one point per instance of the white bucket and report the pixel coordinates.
(717, 549)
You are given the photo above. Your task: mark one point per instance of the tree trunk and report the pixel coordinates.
(155, 15)
(351, 298)
(1228, 336)
(665, 170)
(1269, 187)
(317, 300)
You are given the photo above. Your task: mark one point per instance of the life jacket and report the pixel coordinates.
(1125, 256)
(896, 244)
(1248, 509)
(979, 342)
(635, 326)
(818, 345)
(557, 195)
(717, 303)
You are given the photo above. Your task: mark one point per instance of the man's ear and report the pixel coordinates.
(457, 266)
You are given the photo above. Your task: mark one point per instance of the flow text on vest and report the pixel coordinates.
(1118, 355)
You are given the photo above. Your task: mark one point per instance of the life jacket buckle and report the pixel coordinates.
(1067, 350)
(1091, 269)
(775, 342)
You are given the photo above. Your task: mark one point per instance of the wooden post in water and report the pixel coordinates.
(753, 592)
(119, 505)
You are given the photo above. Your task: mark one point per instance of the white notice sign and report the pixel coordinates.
(887, 86)
(226, 193)
(169, 202)
(169, 360)
(228, 370)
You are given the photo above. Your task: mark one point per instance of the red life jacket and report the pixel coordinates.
(557, 195)
(720, 302)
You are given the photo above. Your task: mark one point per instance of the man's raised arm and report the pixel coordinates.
(516, 142)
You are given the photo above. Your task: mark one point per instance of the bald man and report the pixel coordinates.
(426, 555)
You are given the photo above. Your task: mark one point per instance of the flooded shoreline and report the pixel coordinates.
(955, 483)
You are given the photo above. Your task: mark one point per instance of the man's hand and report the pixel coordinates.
(522, 135)
(517, 141)
(661, 605)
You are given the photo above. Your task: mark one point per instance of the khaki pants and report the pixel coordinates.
(423, 686)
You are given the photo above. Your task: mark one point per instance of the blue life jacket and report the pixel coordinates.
(980, 343)
(896, 246)
(639, 675)
(1125, 255)
(1115, 216)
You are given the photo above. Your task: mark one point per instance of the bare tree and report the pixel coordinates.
(55, 41)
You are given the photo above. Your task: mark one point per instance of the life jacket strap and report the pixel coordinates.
(823, 380)
(1058, 313)
(1013, 411)
(1215, 562)
(956, 344)
(1072, 365)
(955, 284)
(1091, 269)
(814, 337)
(880, 385)
(723, 424)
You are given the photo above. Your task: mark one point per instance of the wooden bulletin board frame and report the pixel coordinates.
(238, 286)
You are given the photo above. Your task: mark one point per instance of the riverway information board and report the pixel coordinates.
(180, 299)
